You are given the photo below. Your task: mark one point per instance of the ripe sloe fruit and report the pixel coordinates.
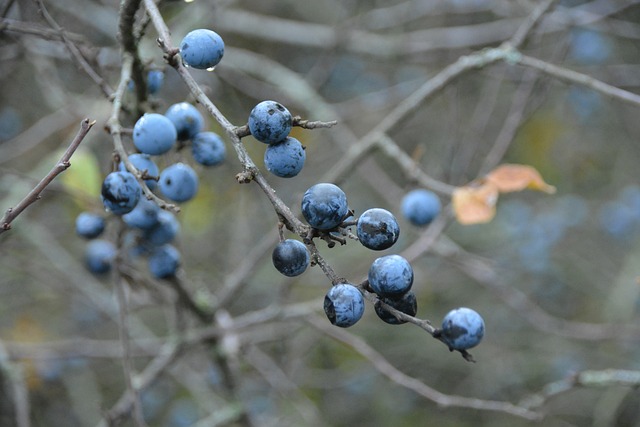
(324, 206)
(344, 305)
(377, 229)
(462, 328)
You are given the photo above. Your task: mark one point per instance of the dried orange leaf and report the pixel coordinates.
(475, 204)
(508, 178)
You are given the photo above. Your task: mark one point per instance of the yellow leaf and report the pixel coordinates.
(475, 203)
(83, 178)
(509, 178)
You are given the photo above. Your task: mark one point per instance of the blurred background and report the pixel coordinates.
(556, 277)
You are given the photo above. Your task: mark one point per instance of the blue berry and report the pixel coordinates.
(285, 159)
(344, 305)
(154, 134)
(186, 118)
(155, 78)
(377, 229)
(10, 123)
(120, 192)
(270, 122)
(164, 231)
(164, 261)
(202, 49)
(89, 225)
(390, 276)
(618, 219)
(144, 216)
(208, 149)
(462, 329)
(420, 206)
(324, 206)
(99, 256)
(589, 47)
(179, 182)
(290, 258)
(143, 162)
(406, 303)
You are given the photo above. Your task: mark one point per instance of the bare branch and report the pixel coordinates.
(76, 54)
(62, 165)
(570, 76)
(382, 365)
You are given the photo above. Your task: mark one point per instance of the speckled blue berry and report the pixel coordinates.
(344, 305)
(390, 276)
(155, 78)
(290, 257)
(406, 303)
(202, 49)
(99, 256)
(208, 149)
(143, 162)
(167, 228)
(89, 225)
(179, 182)
(324, 206)
(462, 329)
(270, 122)
(377, 229)
(154, 134)
(144, 216)
(120, 192)
(186, 118)
(420, 206)
(285, 159)
(164, 261)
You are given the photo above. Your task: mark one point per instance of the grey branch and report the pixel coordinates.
(62, 165)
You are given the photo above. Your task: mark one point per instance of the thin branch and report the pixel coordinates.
(484, 273)
(127, 366)
(15, 26)
(530, 23)
(115, 129)
(152, 371)
(382, 365)
(250, 172)
(62, 165)
(187, 301)
(434, 85)
(410, 168)
(14, 376)
(589, 378)
(128, 42)
(76, 54)
(575, 77)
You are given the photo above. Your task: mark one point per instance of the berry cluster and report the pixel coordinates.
(270, 122)
(324, 206)
(151, 230)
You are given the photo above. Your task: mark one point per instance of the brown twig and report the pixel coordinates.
(62, 165)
